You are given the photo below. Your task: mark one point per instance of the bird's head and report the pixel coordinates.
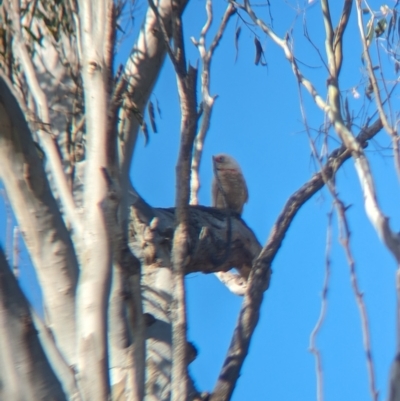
(223, 161)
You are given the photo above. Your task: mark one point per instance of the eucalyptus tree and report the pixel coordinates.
(110, 266)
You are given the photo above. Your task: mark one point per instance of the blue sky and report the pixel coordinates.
(257, 119)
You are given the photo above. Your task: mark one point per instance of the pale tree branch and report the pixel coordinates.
(283, 43)
(394, 379)
(329, 37)
(338, 39)
(62, 370)
(234, 282)
(181, 248)
(75, 15)
(97, 42)
(133, 91)
(378, 99)
(332, 109)
(345, 241)
(139, 77)
(207, 100)
(324, 304)
(371, 74)
(394, 384)
(36, 210)
(151, 236)
(126, 335)
(377, 218)
(261, 271)
(333, 85)
(25, 372)
(126, 322)
(186, 83)
(166, 36)
(47, 140)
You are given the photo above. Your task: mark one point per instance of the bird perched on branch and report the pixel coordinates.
(229, 189)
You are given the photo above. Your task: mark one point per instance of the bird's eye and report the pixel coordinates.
(220, 159)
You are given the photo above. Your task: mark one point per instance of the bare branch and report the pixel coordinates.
(394, 385)
(283, 43)
(378, 100)
(324, 301)
(25, 372)
(261, 271)
(207, 101)
(60, 366)
(345, 240)
(186, 81)
(151, 240)
(139, 77)
(332, 109)
(329, 39)
(97, 36)
(165, 35)
(47, 141)
(36, 211)
(338, 39)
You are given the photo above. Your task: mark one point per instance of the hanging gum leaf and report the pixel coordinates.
(152, 117)
(259, 51)
(237, 35)
(158, 108)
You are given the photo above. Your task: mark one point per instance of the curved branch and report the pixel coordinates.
(25, 372)
(261, 272)
(139, 78)
(36, 210)
(207, 101)
(47, 140)
(151, 236)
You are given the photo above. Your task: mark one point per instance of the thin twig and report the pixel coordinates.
(324, 303)
(207, 99)
(332, 109)
(345, 241)
(261, 270)
(378, 100)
